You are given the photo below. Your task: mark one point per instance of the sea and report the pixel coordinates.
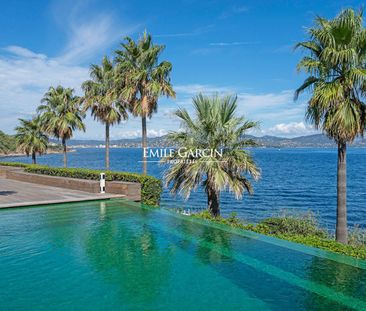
(293, 181)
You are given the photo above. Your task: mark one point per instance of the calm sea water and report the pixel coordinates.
(292, 179)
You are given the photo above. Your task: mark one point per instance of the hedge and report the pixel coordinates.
(151, 187)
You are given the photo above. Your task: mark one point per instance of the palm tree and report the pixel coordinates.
(101, 99)
(30, 138)
(61, 114)
(336, 77)
(144, 79)
(210, 151)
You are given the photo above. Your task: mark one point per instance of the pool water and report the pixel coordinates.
(115, 255)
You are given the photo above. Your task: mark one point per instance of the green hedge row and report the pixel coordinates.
(151, 187)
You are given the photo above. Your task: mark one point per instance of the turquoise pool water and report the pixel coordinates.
(113, 255)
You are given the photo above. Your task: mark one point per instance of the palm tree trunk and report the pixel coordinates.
(341, 227)
(64, 151)
(34, 161)
(107, 146)
(213, 201)
(144, 143)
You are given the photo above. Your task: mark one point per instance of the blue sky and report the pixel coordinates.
(236, 47)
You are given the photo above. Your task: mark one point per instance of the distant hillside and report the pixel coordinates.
(125, 142)
(317, 140)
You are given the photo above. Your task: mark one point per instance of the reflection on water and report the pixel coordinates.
(129, 256)
(344, 279)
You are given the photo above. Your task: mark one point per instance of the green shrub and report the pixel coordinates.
(301, 229)
(151, 187)
(232, 220)
(304, 225)
(357, 236)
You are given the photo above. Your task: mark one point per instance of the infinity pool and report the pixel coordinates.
(115, 255)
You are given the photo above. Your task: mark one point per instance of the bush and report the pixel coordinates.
(232, 220)
(304, 225)
(301, 229)
(151, 187)
(357, 236)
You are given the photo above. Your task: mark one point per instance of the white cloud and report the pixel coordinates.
(266, 100)
(136, 134)
(24, 78)
(170, 113)
(267, 108)
(92, 37)
(26, 70)
(26, 75)
(89, 31)
(23, 52)
(290, 129)
(263, 105)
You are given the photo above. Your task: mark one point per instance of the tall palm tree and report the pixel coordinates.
(30, 138)
(144, 79)
(100, 97)
(61, 114)
(216, 129)
(335, 65)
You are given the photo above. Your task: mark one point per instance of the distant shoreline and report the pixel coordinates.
(17, 154)
(256, 147)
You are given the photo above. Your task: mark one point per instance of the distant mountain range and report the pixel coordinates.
(317, 140)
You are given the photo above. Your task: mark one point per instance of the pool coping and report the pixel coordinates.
(61, 201)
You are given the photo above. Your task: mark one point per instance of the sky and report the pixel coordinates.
(225, 47)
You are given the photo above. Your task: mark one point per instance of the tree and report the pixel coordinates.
(30, 138)
(144, 79)
(61, 114)
(210, 151)
(100, 97)
(7, 143)
(336, 79)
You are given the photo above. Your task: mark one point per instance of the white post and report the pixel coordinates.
(102, 182)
